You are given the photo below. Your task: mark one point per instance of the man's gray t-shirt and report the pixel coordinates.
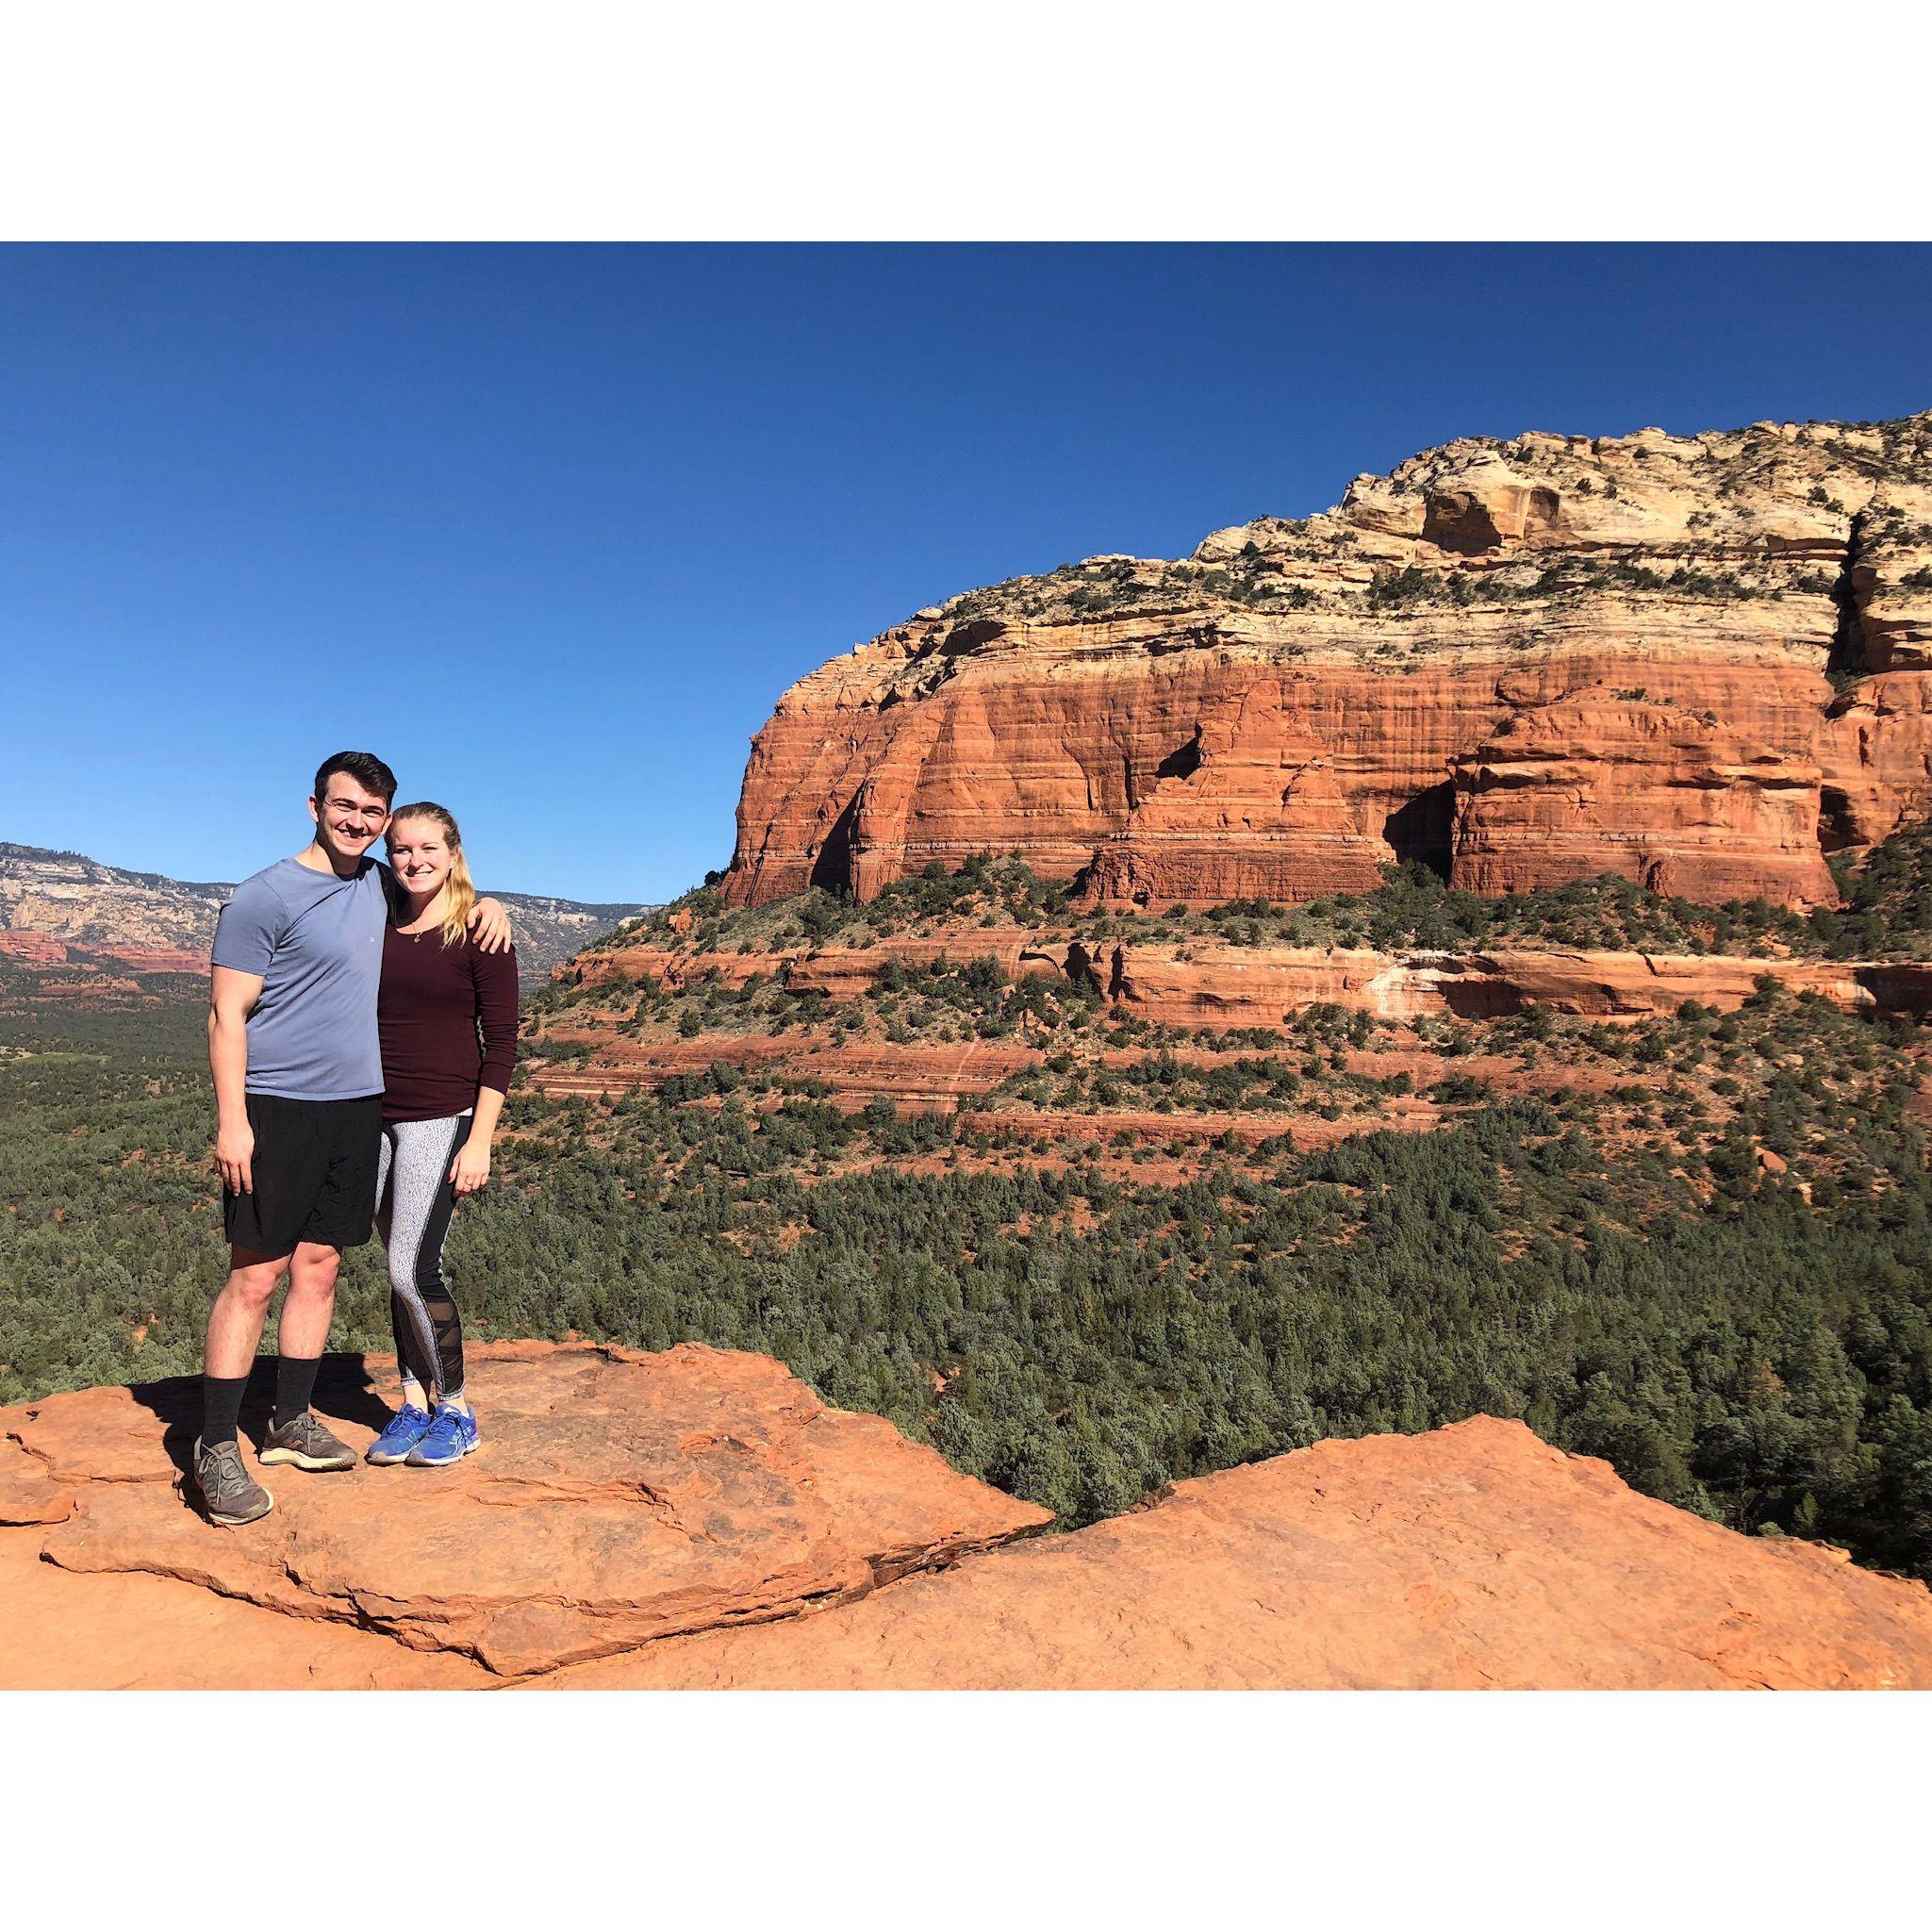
(315, 941)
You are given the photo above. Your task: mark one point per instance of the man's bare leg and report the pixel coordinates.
(302, 1333)
(241, 1311)
(295, 1435)
(230, 1496)
(235, 1322)
(311, 1306)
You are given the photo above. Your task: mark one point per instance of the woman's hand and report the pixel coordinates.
(471, 1169)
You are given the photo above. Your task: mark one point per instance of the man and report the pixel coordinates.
(298, 1090)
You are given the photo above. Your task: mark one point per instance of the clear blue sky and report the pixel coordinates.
(551, 528)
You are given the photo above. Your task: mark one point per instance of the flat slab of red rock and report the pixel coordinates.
(1473, 1557)
(61, 1631)
(619, 1498)
(700, 1519)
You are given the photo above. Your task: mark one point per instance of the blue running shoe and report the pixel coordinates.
(407, 1427)
(451, 1437)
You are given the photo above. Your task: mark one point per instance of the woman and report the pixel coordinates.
(442, 1092)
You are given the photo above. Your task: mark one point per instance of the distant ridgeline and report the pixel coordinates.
(148, 922)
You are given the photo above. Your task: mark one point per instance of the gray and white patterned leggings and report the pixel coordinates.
(414, 1200)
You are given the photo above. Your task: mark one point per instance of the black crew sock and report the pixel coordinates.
(294, 1385)
(221, 1398)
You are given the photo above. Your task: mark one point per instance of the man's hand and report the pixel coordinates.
(235, 1157)
(471, 1169)
(489, 925)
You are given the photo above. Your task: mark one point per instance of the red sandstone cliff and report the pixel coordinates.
(698, 1518)
(1695, 661)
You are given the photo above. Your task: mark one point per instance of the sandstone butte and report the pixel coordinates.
(698, 1518)
(1699, 662)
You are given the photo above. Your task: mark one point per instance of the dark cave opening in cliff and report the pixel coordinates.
(1183, 761)
(1847, 657)
(1838, 824)
(831, 867)
(1424, 828)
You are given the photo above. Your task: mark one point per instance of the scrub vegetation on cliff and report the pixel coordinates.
(1885, 912)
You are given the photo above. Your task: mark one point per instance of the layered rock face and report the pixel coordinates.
(698, 1518)
(1220, 985)
(53, 905)
(1696, 661)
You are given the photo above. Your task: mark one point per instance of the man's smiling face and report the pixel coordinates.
(349, 819)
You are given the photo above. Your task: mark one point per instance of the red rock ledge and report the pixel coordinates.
(698, 1518)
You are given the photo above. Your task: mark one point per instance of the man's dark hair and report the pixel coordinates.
(364, 767)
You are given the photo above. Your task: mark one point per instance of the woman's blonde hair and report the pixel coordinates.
(459, 889)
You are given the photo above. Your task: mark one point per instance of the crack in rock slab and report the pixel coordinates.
(29, 1492)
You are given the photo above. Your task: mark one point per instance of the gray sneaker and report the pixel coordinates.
(307, 1444)
(231, 1495)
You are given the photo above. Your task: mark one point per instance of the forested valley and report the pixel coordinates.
(1710, 1271)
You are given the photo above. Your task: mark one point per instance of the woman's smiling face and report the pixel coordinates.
(420, 855)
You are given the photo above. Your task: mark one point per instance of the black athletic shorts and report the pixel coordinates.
(314, 1174)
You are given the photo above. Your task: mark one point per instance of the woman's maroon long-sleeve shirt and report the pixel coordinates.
(434, 1000)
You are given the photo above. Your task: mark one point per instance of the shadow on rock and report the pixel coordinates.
(343, 1392)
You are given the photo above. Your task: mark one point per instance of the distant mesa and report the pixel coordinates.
(1695, 662)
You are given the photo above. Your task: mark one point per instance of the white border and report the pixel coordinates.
(1217, 1810)
(418, 119)
(1049, 120)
